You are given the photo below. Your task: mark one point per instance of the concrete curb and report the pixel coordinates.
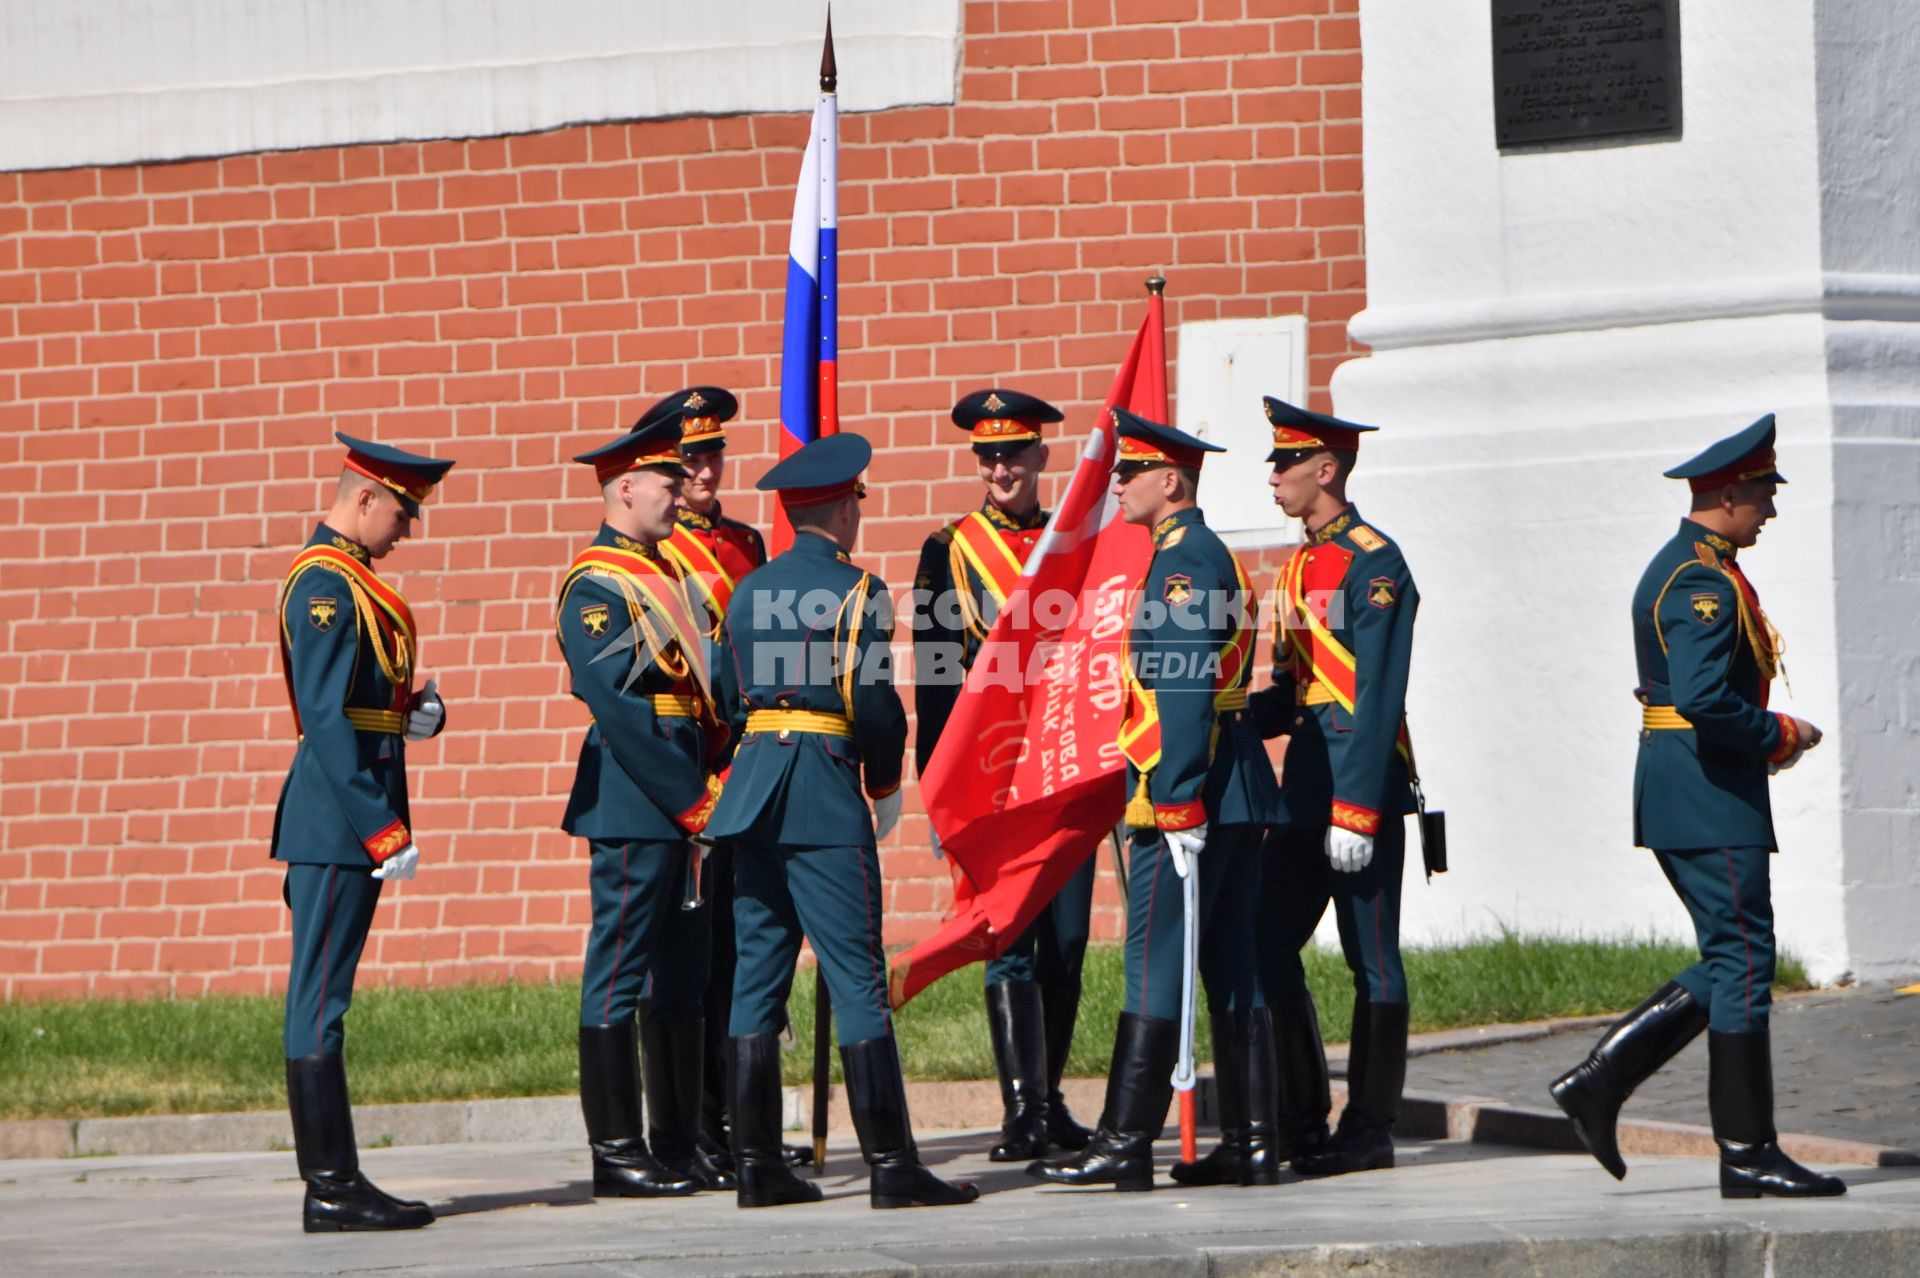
(940, 1106)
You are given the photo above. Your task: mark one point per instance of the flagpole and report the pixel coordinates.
(828, 114)
(1183, 1073)
(826, 117)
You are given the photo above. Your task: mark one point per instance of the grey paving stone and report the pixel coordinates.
(1450, 1210)
(1846, 1065)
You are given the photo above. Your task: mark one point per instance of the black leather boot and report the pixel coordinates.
(610, 1102)
(1139, 1088)
(1740, 1095)
(1626, 1056)
(765, 1179)
(1226, 1163)
(1364, 1140)
(672, 1061)
(715, 1137)
(1018, 1029)
(1263, 1095)
(338, 1198)
(877, 1095)
(1303, 1093)
(1060, 1007)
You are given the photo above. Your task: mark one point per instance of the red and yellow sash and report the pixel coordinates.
(1760, 634)
(1139, 738)
(384, 618)
(1320, 663)
(995, 556)
(655, 597)
(1300, 621)
(702, 563)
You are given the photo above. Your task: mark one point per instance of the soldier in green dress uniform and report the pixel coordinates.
(637, 649)
(1203, 798)
(967, 569)
(811, 697)
(1708, 744)
(1343, 646)
(349, 650)
(714, 552)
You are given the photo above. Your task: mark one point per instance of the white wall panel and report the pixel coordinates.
(118, 81)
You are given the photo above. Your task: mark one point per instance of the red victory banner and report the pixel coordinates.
(1028, 779)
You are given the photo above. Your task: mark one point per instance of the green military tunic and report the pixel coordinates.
(639, 787)
(1188, 651)
(1343, 647)
(348, 642)
(1706, 656)
(811, 699)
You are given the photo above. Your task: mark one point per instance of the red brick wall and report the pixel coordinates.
(178, 342)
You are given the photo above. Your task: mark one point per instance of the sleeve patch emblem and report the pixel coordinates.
(321, 611)
(1366, 538)
(1179, 588)
(1706, 606)
(1381, 592)
(594, 618)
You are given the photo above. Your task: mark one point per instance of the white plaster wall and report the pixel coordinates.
(1602, 233)
(1553, 329)
(117, 81)
(1870, 233)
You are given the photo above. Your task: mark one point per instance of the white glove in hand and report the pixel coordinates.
(1185, 845)
(400, 865)
(428, 710)
(1347, 851)
(886, 815)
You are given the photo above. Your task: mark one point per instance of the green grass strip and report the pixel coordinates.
(99, 1058)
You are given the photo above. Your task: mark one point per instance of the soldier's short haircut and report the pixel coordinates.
(815, 518)
(351, 482)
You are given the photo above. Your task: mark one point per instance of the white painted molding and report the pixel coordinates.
(1834, 294)
(121, 81)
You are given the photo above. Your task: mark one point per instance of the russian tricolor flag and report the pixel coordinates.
(809, 381)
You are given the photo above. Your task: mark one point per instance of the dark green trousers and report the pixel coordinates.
(1229, 901)
(1296, 886)
(1729, 893)
(642, 943)
(829, 896)
(1054, 946)
(332, 910)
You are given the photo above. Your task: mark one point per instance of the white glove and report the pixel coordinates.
(1185, 846)
(933, 838)
(1348, 852)
(400, 865)
(886, 815)
(425, 717)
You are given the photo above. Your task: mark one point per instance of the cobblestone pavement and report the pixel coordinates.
(1846, 1064)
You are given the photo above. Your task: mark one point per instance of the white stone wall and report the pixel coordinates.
(1552, 328)
(118, 81)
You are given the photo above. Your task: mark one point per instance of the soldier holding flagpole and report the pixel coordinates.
(1203, 795)
(967, 570)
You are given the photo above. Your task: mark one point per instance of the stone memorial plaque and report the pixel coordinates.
(1566, 70)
